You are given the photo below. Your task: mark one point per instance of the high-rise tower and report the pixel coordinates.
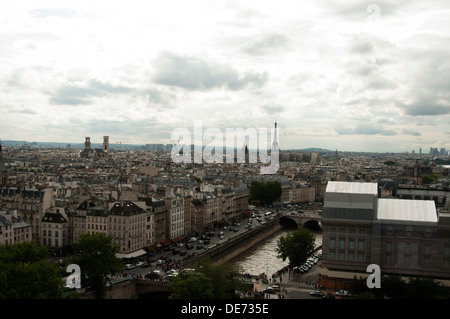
(106, 144)
(275, 139)
(87, 143)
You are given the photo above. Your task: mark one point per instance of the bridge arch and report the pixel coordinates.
(288, 222)
(296, 222)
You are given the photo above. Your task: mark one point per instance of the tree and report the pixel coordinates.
(97, 259)
(26, 274)
(209, 281)
(266, 193)
(428, 179)
(392, 286)
(297, 246)
(191, 286)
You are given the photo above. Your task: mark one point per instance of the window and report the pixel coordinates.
(407, 260)
(388, 259)
(427, 249)
(407, 248)
(332, 242)
(341, 255)
(332, 255)
(361, 257)
(388, 246)
(351, 256)
(447, 251)
(342, 243)
(361, 244)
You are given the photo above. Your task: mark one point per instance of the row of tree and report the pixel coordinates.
(394, 287)
(25, 272)
(266, 193)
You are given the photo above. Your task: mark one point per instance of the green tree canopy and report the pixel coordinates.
(26, 274)
(428, 179)
(191, 286)
(266, 193)
(209, 281)
(297, 246)
(97, 259)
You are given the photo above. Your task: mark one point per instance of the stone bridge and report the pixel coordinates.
(306, 219)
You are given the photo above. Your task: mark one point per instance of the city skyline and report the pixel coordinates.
(370, 77)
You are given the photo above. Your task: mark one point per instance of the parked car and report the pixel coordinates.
(139, 264)
(269, 290)
(341, 293)
(145, 264)
(317, 293)
(129, 266)
(275, 287)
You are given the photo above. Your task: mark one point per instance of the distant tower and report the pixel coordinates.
(275, 139)
(87, 143)
(106, 144)
(3, 172)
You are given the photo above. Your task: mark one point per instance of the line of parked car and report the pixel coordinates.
(311, 261)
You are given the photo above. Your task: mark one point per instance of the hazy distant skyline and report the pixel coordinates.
(346, 75)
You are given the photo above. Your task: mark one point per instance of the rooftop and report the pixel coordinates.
(407, 210)
(352, 188)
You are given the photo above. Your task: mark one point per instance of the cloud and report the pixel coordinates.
(273, 109)
(23, 110)
(53, 12)
(365, 129)
(195, 73)
(75, 94)
(266, 44)
(411, 132)
(424, 108)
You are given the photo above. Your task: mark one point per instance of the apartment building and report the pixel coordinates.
(175, 209)
(30, 204)
(405, 237)
(13, 230)
(160, 219)
(55, 228)
(126, 223)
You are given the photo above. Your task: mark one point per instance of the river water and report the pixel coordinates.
(262, 258)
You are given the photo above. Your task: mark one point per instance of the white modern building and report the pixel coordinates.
(360, 227)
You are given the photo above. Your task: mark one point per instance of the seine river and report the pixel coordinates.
(262, 258)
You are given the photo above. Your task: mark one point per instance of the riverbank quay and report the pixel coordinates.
(230, 248)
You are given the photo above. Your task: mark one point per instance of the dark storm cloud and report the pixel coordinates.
(194, 73)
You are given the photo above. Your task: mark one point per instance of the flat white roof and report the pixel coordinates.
(352, 188)
(406, 210)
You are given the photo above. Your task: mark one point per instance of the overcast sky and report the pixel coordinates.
(346, 75)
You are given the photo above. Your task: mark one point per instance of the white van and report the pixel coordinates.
(268, 214)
